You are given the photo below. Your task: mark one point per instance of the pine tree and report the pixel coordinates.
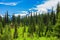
(36, 17)
(1, 26)
(40, 25)
(3, 22)
(0, 19)
(47, 24)
(15, 33)
(53, 17)
(31, 26)
(58, 9)
(13, 19)
(6, 18)
(18, 19)
(57, 26)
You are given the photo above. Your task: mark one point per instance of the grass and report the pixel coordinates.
(25, 36)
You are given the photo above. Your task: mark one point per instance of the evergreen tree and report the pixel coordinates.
(31, 26)
(36, 17)
(57, 27)
(0, 19)
(1, 28)
(47, 23)
(3, 22)
(6, 18)
(58, 9)
(18, 19)
(15, 33)
(40, 25)
(53, 17)
(13, 19)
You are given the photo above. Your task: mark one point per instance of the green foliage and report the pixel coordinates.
(15, 33)
(18, 19)
(13, 19)
(57, 26)
(6, 18)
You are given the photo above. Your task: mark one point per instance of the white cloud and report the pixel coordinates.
(22, 13)
(1, 15)
(9, 3)
(47, 5)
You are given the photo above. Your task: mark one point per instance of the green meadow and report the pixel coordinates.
(9, 35)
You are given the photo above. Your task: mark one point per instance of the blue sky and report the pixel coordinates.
(20, 6)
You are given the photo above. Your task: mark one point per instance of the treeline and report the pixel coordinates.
(43, 24)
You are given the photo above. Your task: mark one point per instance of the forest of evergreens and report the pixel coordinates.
(31, 27)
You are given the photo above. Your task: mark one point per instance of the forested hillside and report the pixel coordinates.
(38, 27)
